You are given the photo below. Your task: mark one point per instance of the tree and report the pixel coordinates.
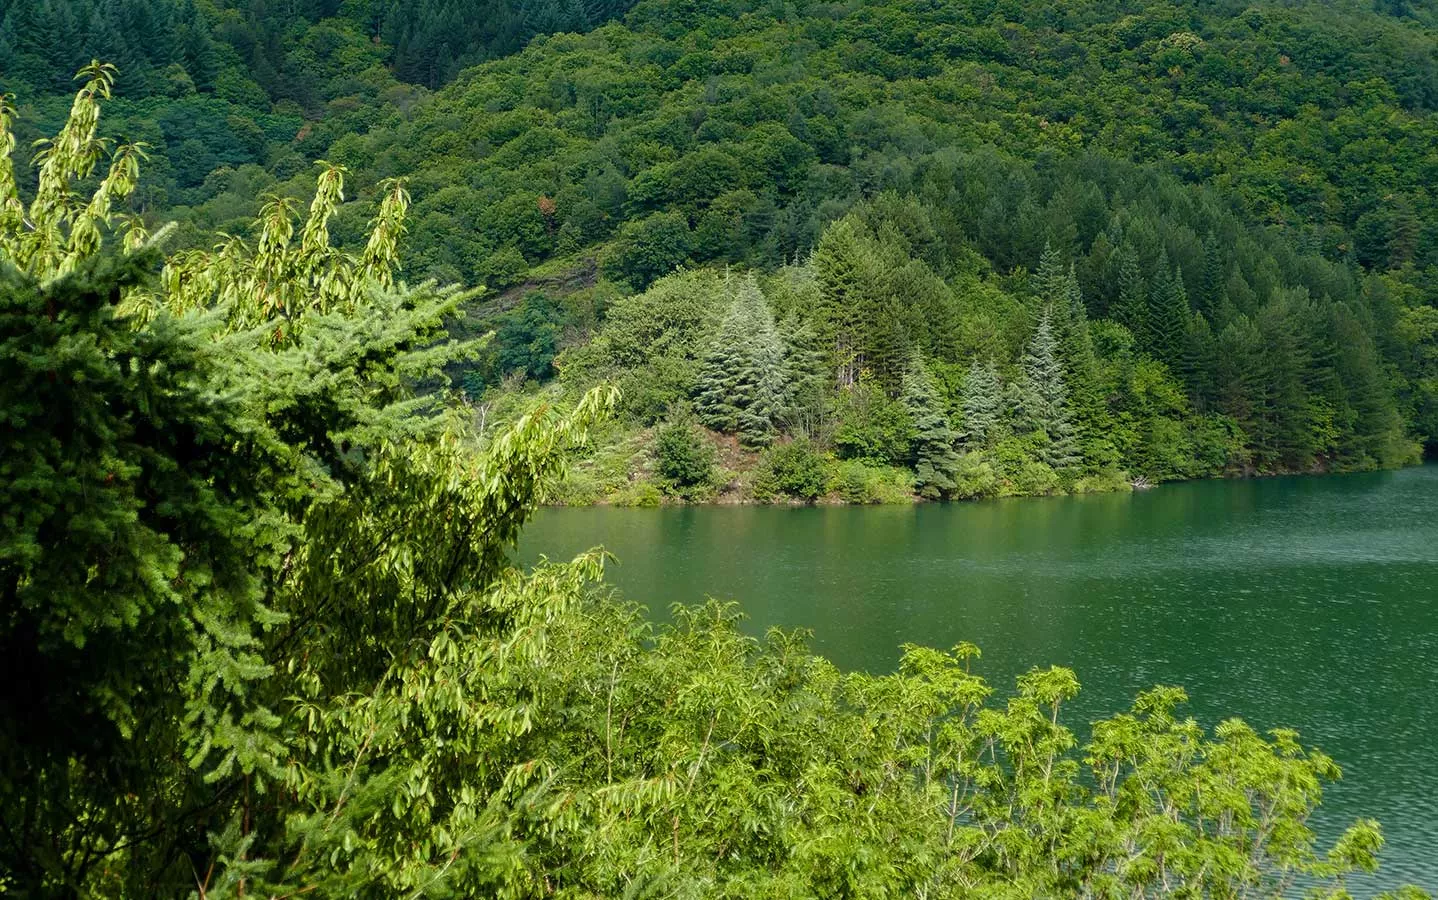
(983, 405)
(1041, 398)
(1168, 314)
(1130, 308)
(932, 448)
(649, 248)
(741, 387)
(137, 499)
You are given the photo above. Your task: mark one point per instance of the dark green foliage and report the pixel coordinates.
(1040, 399)
(526, 341)
(794, 469)
(932, 448)
(1168, 314)
(683, 457)
(1131, 306)
(137, 519)
(649, 248)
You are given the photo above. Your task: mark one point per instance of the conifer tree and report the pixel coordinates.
(1210, 295)
(742, 387)
(843, 266)
(1042, 398)
(809, 406)
(1168, 313)
(983, 405)
(1130, 309)
(1051, 279)
(1081, 374)
(1198, 361)
(932, 448)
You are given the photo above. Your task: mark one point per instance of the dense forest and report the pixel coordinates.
(1201, 234)
(261, 634)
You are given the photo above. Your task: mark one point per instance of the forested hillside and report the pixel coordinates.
(1222, 212)
(1241, 189)
(237, 94)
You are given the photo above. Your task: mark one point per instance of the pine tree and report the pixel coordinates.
(983, 405)
(809, 408)
(932, 449)
(1211, 291)
(742, 381)
(1167, 317)
(1042, 397)
(1081, 373)
(843, 266)
(1198, 361)
(1051, 279)
(1130, 309)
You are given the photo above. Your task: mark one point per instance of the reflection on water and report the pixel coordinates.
(1302, 602)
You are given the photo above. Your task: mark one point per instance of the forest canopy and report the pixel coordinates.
(1244, 189)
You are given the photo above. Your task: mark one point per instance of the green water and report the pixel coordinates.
(1302, 602)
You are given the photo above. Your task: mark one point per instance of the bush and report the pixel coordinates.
(872, 425)
(974, 477)
(648, 393)
(796, 469)
(1021, 473)
(639, 493)
(1107, 481)
(861, 482)
(683, 459)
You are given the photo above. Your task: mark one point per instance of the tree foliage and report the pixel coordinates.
(262, 598)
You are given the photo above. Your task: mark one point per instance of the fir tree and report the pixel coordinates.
(741, 387)
(1051, 279)
(983, 405)
(1130, 309)
(1211, 290)
(932, 448)
(1167, 317)
(1197, 362)
(1081, 374)
(1042, 398)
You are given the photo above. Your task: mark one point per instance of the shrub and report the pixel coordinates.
(683, 459)
(861, 482)
(796, 469)
(640, 494)
(872, 425)
(974, 477)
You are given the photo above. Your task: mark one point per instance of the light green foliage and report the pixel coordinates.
(872, 425)
(857, 481)
(59, 228)
(278, 279)
(795, 469)
(974, 477)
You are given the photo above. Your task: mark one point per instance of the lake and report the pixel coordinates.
(1310, 603)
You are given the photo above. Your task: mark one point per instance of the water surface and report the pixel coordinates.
(1310, 603)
